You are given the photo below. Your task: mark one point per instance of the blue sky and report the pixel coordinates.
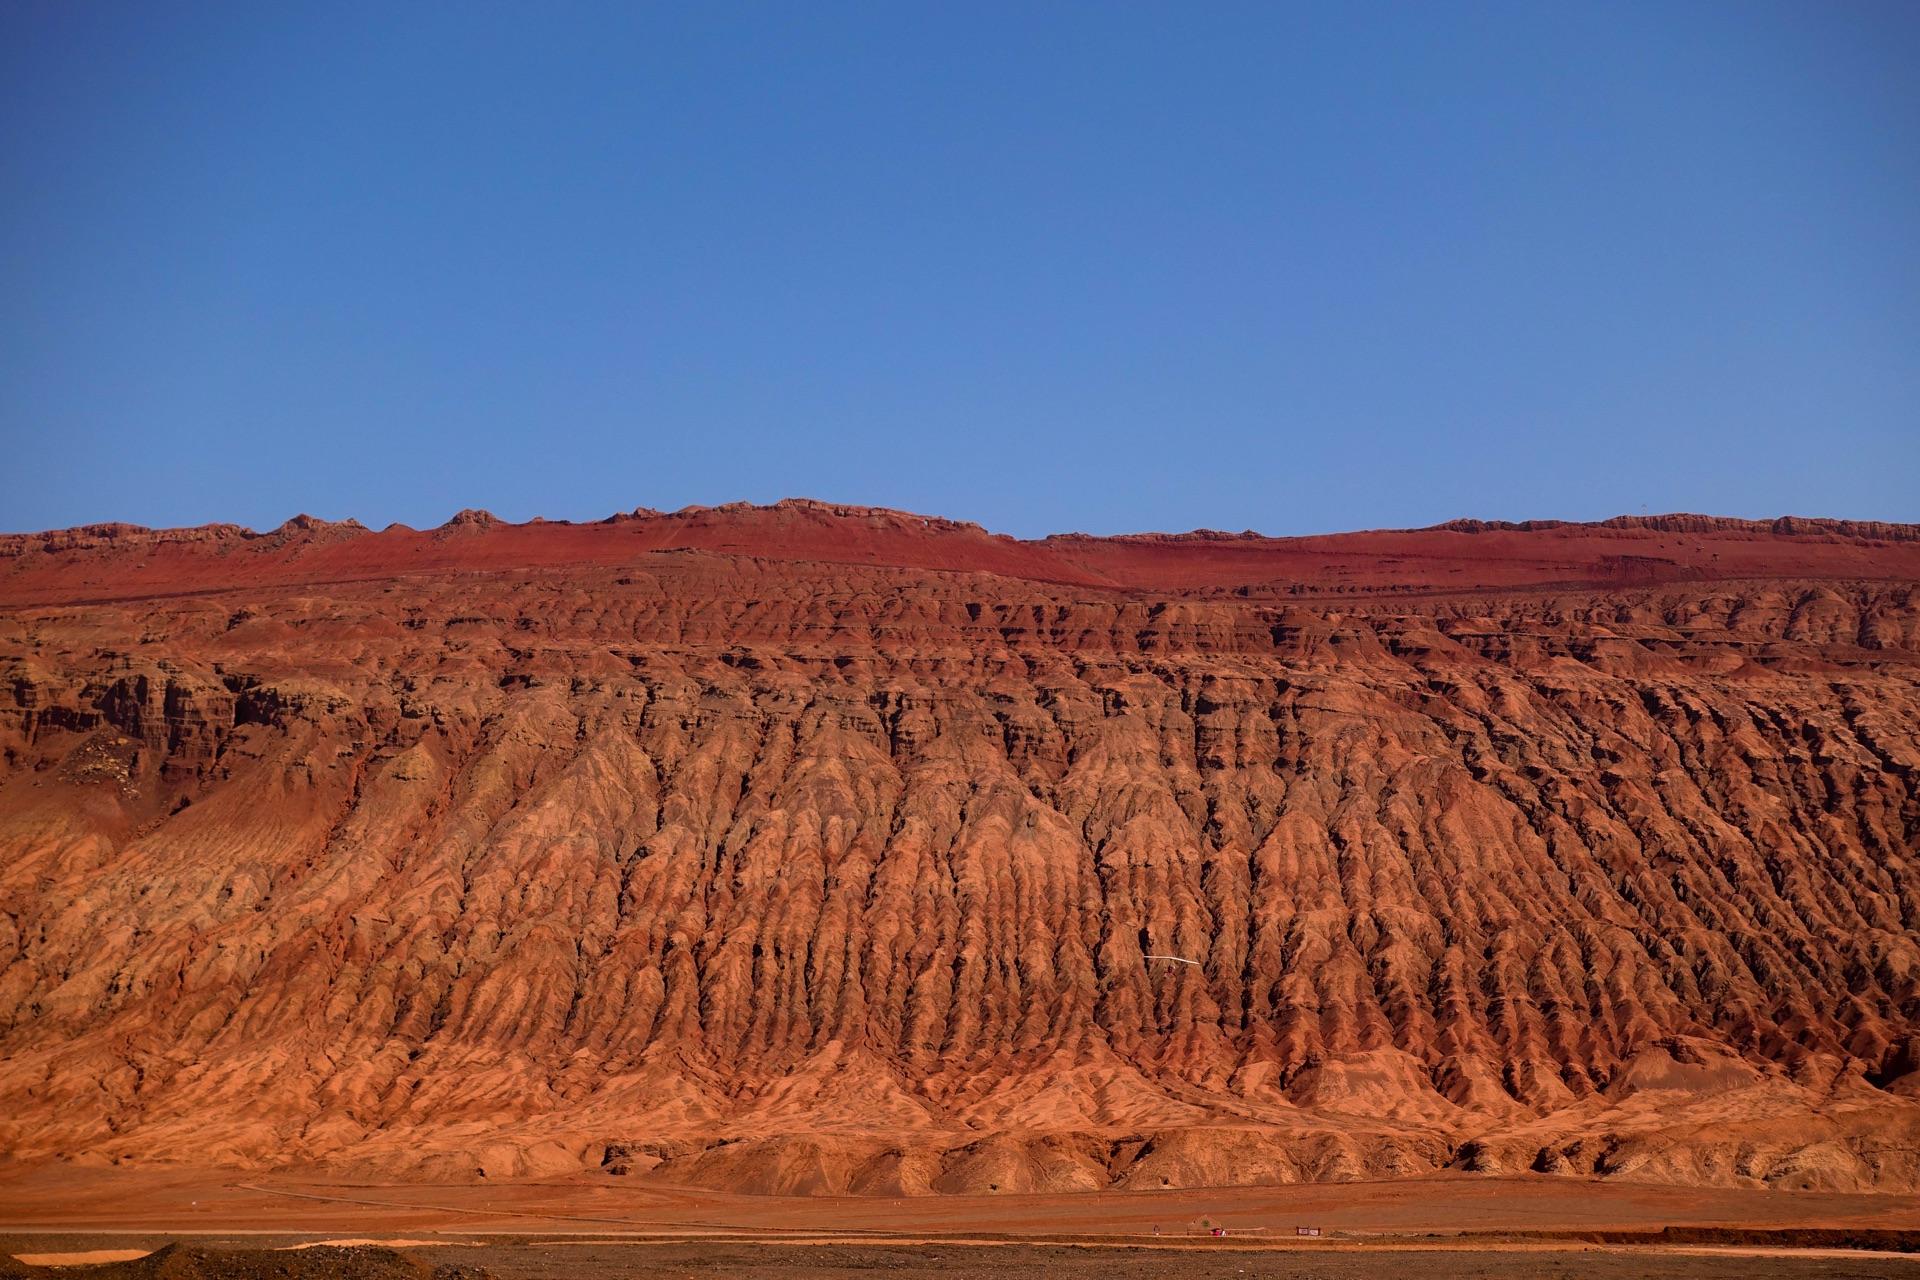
(1105, 267)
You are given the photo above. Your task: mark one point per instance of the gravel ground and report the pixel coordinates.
(536, 1260)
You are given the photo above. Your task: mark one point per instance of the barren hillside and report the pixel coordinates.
(809, 848)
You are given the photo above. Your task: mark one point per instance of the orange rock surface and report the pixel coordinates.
(813, 848)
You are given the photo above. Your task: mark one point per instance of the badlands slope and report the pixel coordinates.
(818, 849)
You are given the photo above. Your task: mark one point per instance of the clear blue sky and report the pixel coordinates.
(1047, 266)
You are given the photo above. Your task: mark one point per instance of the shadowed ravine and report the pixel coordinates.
(750, 868)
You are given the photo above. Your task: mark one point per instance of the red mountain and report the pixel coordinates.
(821, 848)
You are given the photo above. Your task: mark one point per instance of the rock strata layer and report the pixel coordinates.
(824, 849)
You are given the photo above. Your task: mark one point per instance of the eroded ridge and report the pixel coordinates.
(797, 875)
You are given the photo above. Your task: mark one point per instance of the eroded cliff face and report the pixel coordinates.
(777, 873)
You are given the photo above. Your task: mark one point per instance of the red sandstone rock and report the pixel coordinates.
(816, 848)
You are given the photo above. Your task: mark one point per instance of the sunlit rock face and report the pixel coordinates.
(821, 849)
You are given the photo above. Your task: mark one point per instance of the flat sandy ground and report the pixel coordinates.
(599, 1228)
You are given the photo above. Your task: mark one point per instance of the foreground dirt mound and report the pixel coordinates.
(821, 850)
(324, 1262)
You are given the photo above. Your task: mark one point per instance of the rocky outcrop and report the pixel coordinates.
(783, 872)
(1781, 526)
